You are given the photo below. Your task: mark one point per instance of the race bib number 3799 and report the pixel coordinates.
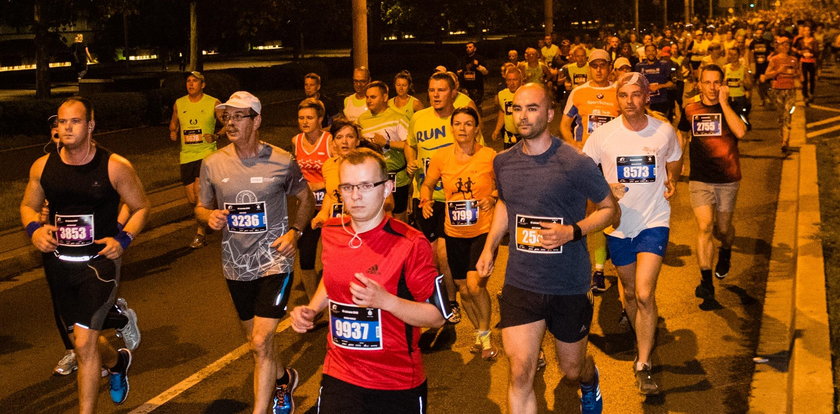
(528, 237)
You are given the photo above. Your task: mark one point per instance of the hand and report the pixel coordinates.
(303, 318)
(173, 135)
(670, 189)
(411, 167)
(654, 87)
(217, 219)
(618, 190)
(378, 139)
(485, 263)
(554, 235)
(369, 293)
(495, 136)
(112, 250)
(209, 138)
(486, 203)
(286, 244)
(44, 238)
(317, 222)
(723, 93)
(428, 208)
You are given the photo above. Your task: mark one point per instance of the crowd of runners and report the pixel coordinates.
(410, 205)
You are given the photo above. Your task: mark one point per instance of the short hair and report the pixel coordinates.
(378, 84)
(363, 69)
(651, 45)
(312, 103)
(89, 114)
(470, 43)
(465, 110)
(515, 69)
(713, 68)
(633, 78)
(581, 48)
(360, 155)
(340, 123)
(314, 76)
(445, 76)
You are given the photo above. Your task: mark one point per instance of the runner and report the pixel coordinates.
(82, 245)
(533, 70)
(504, 120)
(313, 147)
(641, 159)
(312, 89)
(387, 129)
(404, 102)
(783, 71)
(428, 132)
(576, 73)
(760, 49)
(659, 77)
(549, 50)
(193, 123)
(378, 275)
(808, 49)
(714, 129)
(543, 186)
(739, 81)
(243, 193)
(472, 73)
(589, 106)
(354, 104)
(466, 170)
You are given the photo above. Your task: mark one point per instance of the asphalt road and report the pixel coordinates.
(703, 359)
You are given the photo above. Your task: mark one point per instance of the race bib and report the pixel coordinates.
(760, 48)
(594, 121)
(579, 78)
(528, 237)
(392, 176)
(319, 197)
(469, 76)
(355, 327)
(706, 125)
(462, 212)
(760, 59)
(193, 136)
(246, 217)
(74, 230)
(508, 107)
(636, 168)
(337, 210)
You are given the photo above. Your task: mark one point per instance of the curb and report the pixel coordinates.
(17, 255)
(793, 358)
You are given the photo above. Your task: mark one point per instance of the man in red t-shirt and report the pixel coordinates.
(378, 275)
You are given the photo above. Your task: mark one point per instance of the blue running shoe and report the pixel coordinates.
(590, 400)
(283, 401)
(119, 380)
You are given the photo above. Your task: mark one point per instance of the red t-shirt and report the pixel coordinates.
(311, 162)
(713, 149)
(361, 351)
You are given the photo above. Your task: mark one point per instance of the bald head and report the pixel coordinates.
(532, 111)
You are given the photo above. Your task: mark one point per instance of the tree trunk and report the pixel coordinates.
(42, 56)
(193, 37)
(360, 43)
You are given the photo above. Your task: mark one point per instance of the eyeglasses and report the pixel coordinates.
(363, 187)
(235, 117)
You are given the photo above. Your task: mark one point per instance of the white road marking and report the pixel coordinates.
(823, 122)
(820, 132)
(201, 375)
(825, 108)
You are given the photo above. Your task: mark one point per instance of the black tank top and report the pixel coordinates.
(83, 204)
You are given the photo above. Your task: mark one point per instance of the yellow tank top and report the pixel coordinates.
(735, 80)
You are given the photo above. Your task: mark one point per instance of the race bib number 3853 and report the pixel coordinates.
(75, 230)
(706, 125)
(528, 237)
(246, 217)
(355, 327)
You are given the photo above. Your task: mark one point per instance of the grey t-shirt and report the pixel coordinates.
(551, 187)
(254, 190)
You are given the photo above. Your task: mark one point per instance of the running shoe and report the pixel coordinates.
(644, 380)
(198, 241)
(67, 364)
(476, 347)
(284, 402)
(488, 350)
(624, 322)
(722, 266)
(455, 318)
(119, 380)
(590, 397)
(598, 283)
(705, 290)
(130, 333)
(541, 361)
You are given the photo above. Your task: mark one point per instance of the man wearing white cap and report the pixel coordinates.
(243, 193)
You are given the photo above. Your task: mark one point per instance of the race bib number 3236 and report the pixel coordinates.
(528, 237)
(246, 217)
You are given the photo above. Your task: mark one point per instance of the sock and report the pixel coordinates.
(284, 379)
(120, 365)
(706, 274)
(599, 267)
(724, 254)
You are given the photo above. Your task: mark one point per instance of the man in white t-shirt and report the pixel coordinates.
(640, 157)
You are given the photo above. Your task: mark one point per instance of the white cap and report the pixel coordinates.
(242, 100)
(599, 54)
(622, 61)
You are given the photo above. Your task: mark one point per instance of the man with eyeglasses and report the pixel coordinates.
(356, 103)
(244, 187)
(380, 286)
(193, 123)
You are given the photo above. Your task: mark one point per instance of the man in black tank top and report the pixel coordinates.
(82, 243)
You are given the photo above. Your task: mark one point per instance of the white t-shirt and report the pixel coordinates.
(353, 107)
(637, 160)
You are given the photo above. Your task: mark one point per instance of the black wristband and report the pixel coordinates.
(295, 229)
(576, 233)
